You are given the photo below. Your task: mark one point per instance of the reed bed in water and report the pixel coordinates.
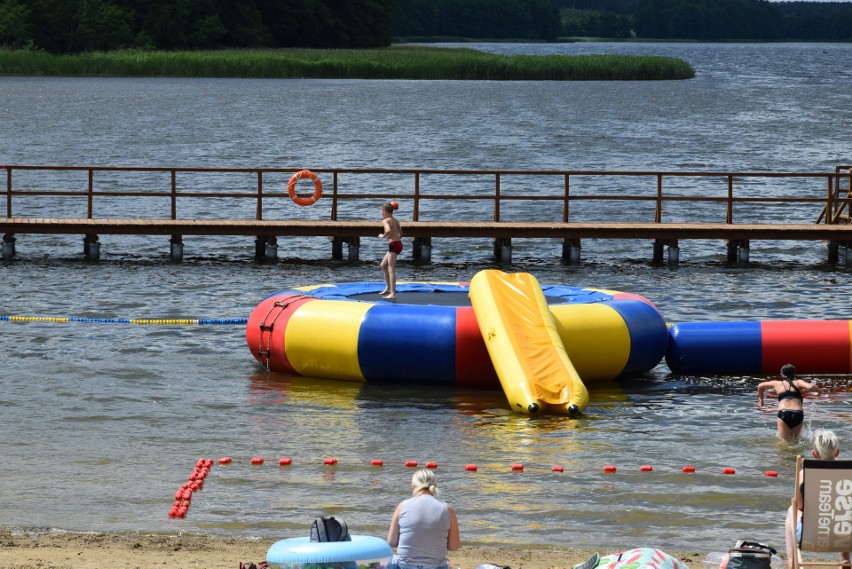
(396, 62)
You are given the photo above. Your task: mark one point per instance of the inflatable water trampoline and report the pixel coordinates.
(541, 343)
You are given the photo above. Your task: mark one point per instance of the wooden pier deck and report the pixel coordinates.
(736, 236)
(829, 211)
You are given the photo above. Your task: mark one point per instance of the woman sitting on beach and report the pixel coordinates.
(423, 529)
(826, 447)
(790, 392)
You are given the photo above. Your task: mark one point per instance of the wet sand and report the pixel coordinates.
(66, 550)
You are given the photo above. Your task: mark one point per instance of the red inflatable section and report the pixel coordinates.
(265, 330)
(818, 346)
(473, 364)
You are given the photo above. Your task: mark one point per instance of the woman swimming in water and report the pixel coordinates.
(790, 392)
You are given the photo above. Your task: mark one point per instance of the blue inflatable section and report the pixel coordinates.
(429, 355)
(345, 291)
(573, 294)
(303, 551)
(648, 334)
(713, 348)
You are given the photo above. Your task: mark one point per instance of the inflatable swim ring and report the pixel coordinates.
(363, 552)
(430, 335)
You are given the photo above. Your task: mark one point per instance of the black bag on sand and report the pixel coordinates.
(329, 528)
(750, 555)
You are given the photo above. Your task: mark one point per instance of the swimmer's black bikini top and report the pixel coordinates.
(792, 393)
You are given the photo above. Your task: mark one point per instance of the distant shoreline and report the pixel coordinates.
(407, 61)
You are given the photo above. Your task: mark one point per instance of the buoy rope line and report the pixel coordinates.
(160, 321)
(195, 482)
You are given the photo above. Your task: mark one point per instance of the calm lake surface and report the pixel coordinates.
(100, 423)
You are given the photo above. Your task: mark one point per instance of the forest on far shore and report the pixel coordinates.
(77, 26)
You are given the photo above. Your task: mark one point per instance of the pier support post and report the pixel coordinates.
(271, 249)
(738, 251)
(260, 248)
(421, 249)
(673, 252)
(503, 249)
(337, 248)
(8, 246)
(848, 245)
(354, 247)
(176, 248)
(571, 251)
(833, 252)
(91, 247)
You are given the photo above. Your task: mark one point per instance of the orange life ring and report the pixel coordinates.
(305, 200)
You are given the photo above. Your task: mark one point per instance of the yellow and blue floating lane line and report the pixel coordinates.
(149, 321)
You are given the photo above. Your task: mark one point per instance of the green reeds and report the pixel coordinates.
(396, 62)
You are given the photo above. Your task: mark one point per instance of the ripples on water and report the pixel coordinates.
(102, 423)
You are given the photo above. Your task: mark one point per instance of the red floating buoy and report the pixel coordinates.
(376, 462)
(557, 468)
(285, 461)
(431, 465)
(257, 460)
(225, 460)
(410, 463)
(609, 468)
(646, 468)
(517, 467)
(688, 469)
(470, 467)
(728, 471)
(330, 461)
(770, 473)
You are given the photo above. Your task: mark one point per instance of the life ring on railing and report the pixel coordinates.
(304, 200)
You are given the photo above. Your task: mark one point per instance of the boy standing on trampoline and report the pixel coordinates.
(393, 234)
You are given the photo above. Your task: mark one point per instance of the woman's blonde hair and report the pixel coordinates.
(424, 479)
(826, 444)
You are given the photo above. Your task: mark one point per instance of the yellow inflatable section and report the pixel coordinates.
(524, 344)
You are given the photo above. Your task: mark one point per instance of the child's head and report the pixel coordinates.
(788, 371)
(826, 445)
(389, 207)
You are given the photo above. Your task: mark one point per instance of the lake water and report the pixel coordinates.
(102, 422)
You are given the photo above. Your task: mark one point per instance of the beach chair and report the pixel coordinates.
(827, 510)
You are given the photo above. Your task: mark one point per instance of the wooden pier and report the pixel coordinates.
(822, 197)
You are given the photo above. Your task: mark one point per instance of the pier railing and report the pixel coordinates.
(459, 195)
(501, 204)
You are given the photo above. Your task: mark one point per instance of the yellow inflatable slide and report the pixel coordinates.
(524, 345)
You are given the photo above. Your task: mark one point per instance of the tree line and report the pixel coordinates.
(73, 26)
(708, 19)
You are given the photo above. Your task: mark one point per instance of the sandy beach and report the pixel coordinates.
(66, 550)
